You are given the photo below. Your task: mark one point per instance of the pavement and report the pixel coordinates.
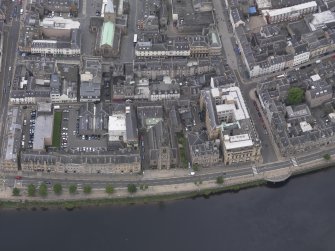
(157, 178)
(269, 151)
(127, 41)
(280, 171)
(168, 177)
(11, 32)
(86, 10)
(225, 34)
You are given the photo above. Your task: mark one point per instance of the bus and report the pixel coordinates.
(135, 38)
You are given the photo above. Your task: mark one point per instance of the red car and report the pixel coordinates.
(18, 177)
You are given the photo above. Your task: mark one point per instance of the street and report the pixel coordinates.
(271, 161)
(222, 22)
(127, 41)
(6, 75)
(99, 181)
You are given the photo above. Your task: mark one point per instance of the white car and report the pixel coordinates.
(10, 68)
(294, 162)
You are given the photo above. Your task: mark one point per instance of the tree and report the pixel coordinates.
(58, 189)
(72, 189)
(132, 188)
(31, 190)
(327, 156)
(16, 191)
(295, 96)
(109, 189)
(43, 190)
(195, 167)
(219, 180)
(87, 189)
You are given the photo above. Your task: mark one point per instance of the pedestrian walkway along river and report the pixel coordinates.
(298, 215)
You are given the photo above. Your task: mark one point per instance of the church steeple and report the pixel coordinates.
(109, 12)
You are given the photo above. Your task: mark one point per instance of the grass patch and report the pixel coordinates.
(57, 129)
(182, 149)
(206, 193)
(73, 204)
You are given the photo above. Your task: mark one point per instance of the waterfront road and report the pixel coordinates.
(119, 181)
(124, 180)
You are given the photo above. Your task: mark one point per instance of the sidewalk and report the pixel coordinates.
(160, 190)
(252, 96)
(161, 174)
(171, 189)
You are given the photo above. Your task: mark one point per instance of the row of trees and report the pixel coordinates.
(57, 188)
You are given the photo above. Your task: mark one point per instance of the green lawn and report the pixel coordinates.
(57, 129)
(182, 150)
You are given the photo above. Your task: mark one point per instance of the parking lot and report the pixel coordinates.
(65, 129)
(80, 143)
(28, 129)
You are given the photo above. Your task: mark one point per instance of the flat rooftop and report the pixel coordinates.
(43, 131)
(237, 141)
(59, 23)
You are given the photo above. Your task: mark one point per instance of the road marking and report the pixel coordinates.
(84, 8)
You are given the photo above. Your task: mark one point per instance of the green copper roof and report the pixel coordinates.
(107, 34)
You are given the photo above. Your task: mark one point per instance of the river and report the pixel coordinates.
(299, 215)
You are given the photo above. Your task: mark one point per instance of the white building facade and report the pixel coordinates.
(53, 47)
(289, 13)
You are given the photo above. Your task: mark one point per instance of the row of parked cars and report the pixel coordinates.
(90, 137)
(32, 128)
(65, 129)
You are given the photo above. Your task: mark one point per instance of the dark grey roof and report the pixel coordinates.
(196, 138)
(159, 136)
(145, 112)
(200, 145)
(55, 84)
(189, 19)
(131, 124)
(90, 89)
(319, 89)
(278, 4)
(52, 158)
(93, 119)
(236, 15)
(174, 120)
(210, 108)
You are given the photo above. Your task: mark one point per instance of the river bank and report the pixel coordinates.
(154, 193)
(296, 215)
(70, 204)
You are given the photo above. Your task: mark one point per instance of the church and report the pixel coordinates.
(109, 35)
